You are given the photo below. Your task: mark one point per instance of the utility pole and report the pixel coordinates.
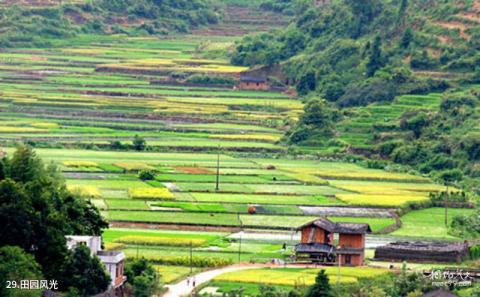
(240, 241)
(240, 247)
(218, 170)
(191, 258)
(446, 206)
(339, 266)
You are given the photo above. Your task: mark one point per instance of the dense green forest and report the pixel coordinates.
(344, 55)
(24, 25)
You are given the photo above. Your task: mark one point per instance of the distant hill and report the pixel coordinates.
(335, 44)
(393, 80)
(28, 22)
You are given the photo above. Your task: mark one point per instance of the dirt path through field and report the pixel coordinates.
(183, 288)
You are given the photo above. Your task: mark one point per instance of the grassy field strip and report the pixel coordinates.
(358, 131)
(280, 189)
(233, 220)
(428, 223)
(293, 276)
(114, 233)
(338, 170)
(384, 193)
(171, 274)
(263, 199)
(179, 256)
(145, 157)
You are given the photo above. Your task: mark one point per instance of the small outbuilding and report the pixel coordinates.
(250, 81)
(317, 242)
(423, 251)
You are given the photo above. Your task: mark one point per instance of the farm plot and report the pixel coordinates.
(428, 223)
(170, 274)
(338, 170)
(262, 221)
(110, 86)
(358, 131)
(283, 222)
(112, 234)
(384, 193)
(264, 199)
(261, 189)
(293, 276)
(175, 218)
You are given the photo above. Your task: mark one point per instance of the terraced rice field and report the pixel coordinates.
(358, 131)
(100, 89)
(82, 102)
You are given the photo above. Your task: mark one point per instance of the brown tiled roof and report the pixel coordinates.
(322, 222)
(352, 228)
(344, 228)
(252, 78)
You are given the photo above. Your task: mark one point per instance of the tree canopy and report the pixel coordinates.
(37, 211)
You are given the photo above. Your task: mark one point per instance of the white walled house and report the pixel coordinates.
(114, 261)
(94, 243)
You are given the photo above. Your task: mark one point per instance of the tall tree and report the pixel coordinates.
(16, 265)
(25, 166)
(84, 272)
(321, 288)
(402, 12)
(375, 59)
(37, 211)
(142, 276)
(2, 170)
(449, 177)
(407, 38)
(139, 143)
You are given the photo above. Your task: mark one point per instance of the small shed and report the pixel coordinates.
(423, 251)
(250, 81)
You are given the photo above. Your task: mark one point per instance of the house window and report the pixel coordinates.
(258, 84)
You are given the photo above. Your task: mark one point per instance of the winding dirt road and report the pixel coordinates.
(183, 289)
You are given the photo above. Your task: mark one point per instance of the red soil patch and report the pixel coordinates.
(434, 52)
(454, 26)
(476, 6)
(445, 39)
(76, 17)
(194, 170)
(470, 16)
